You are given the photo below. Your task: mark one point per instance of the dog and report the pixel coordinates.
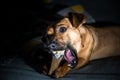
(73, 43)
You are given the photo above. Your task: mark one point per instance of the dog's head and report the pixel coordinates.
(64, 37)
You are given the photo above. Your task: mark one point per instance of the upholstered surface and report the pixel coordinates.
(16, 69)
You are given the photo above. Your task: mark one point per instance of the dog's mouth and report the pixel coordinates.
(69, 55)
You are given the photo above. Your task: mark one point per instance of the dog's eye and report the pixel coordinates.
(62, 29)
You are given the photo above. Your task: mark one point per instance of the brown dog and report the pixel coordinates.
(73, 44)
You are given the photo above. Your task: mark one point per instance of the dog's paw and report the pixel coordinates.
(45, 70)
(61, 72)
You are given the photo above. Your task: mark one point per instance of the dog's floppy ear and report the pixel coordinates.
(76, 19)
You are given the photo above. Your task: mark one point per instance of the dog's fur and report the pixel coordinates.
(89, 42)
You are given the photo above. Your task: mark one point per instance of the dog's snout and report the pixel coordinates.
(52, 46)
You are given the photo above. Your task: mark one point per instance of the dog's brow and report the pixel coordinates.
(60, 24)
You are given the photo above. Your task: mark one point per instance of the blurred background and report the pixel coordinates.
(27, 18)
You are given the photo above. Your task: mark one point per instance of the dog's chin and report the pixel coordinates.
(69, 54)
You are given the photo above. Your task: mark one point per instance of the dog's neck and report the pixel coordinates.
(92, 32)
(87, 40)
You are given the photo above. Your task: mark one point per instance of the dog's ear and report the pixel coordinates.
(76, 19)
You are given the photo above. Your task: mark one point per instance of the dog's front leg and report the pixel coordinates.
(81, 62)
(62, 70)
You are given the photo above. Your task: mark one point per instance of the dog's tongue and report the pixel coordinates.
(71, 58)
(68, 56)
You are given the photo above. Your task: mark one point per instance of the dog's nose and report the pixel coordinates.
(52, 46)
